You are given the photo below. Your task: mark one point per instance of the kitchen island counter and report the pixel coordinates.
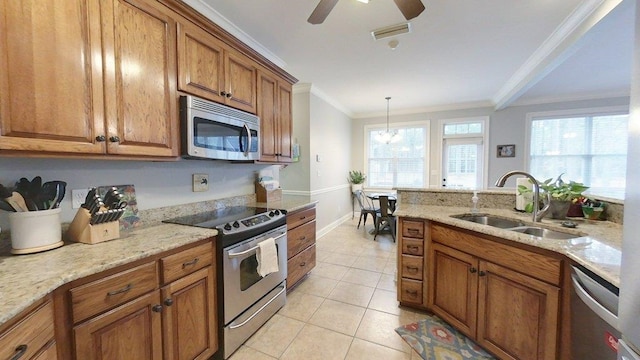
(24, 279)
(598, 248)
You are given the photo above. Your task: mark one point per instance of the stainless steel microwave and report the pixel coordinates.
(215, 131)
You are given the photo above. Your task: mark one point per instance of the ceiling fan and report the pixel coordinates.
(409, 8)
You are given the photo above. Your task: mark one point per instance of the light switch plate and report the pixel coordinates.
(200, 182)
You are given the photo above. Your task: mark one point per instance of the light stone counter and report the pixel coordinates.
(598, 248)
(26, 278)
(289, 203)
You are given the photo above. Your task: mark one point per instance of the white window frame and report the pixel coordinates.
(485, 138)
(596, 111)
(382, 127)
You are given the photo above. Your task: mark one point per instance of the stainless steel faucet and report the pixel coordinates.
(538, 214)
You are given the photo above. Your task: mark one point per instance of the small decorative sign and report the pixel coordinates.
(506, 150)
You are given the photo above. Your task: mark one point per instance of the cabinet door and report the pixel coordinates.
(517, 314)
(200, 63)
(49, 352)
(51, 79)
(130, 331)
(453, 294)
(190, 328)
(285, 122)
(140, 58)
(267, 101)
(240, 82)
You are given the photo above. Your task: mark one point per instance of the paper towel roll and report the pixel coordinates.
(522, 200)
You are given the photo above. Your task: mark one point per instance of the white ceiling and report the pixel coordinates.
(460, 53)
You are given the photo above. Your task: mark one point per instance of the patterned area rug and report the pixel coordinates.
(434, 339)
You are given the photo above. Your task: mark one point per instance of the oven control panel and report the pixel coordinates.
(254, 221)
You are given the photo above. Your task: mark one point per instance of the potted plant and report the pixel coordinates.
(562, 195)
(356, 179)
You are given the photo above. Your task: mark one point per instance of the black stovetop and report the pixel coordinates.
(217, 218)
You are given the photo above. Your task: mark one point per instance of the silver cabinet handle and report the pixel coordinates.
(233, 255)
(259, 310)
(594, 305)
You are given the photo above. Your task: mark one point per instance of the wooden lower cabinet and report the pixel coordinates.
(32, 336)
(190, 330)
(301, 244)
(173, 319)
(130, 331)
(411, 262)
(508, 312)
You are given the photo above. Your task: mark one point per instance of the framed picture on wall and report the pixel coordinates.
(506, 150)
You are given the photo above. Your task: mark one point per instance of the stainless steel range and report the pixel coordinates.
(248, 299)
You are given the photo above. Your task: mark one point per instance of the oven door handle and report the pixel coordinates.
(259, 310)
(234, 255)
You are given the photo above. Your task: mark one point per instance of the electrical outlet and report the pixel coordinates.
(77, 197)
(200, 182)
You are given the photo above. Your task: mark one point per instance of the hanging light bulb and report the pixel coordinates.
(388, 136)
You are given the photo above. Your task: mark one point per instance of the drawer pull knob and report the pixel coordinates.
(168, 301)
(413, 269)
(20, 350)
(412, 292)
(482, 273)
(101, 138)
(114, 139)
(120, 291)
(303, 264)
(473, 270)
(190, 263)
(157, 308)
(413, 248)
(303, 238)
(413, 231)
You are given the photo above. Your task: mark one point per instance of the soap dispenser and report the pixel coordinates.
(474, 200)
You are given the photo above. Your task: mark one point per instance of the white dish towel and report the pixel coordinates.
(267, 255)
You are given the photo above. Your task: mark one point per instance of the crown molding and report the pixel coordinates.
(302, 88)
(209, 12)
(563, 42)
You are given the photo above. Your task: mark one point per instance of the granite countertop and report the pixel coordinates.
(598, 248)
(25, 279)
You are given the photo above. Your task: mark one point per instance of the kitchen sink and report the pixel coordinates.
(494, 221)
(516, 225)
(544, 233)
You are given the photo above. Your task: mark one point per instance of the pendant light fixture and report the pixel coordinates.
(388, 136)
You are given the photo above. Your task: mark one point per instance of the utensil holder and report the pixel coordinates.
(82, 231)
(264, 195)
(35, 231)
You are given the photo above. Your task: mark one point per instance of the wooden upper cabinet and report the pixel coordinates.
(139, 53)
(51, 79)
(274, 110)
(88, 77)
(209, 68)
(200, 63)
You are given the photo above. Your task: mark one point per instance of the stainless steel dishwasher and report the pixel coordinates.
(594, 316)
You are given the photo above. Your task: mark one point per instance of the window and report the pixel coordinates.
(589, 148)
(463, 153)
(398, 164)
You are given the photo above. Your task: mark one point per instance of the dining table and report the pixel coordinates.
(392, 198)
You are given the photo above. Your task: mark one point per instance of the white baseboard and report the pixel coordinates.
(325, 230)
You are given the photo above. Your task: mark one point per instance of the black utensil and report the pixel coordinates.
(61, 188)
(6, 206)
(47, 195)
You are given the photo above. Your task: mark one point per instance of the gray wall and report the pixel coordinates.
(326, 156)
(507, 126)
(157, 184)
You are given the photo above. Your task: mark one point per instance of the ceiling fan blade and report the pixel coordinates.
(321, 11)
(410, 8)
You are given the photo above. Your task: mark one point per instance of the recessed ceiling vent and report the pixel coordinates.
(392, 30)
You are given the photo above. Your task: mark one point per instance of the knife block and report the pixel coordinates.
(82, 231)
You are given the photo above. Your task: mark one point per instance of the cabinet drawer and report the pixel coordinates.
(412, 267)
(300, 238)
(185, 262)
(100, 295)
(299, 265)
(300, 217)
(29, 335)
(413, 247)
(411, 291)
(413, 229)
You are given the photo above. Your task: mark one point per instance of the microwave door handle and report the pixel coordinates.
(248, 148)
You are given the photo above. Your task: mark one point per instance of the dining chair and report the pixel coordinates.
(385, 218)
(366, 208)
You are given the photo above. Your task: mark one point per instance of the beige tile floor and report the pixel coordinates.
(346, 309)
